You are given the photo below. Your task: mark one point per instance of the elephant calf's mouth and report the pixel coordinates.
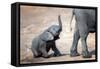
(56, 37)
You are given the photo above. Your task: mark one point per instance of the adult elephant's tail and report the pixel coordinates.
(72, 19)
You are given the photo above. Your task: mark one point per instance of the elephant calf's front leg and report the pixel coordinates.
(56, 51)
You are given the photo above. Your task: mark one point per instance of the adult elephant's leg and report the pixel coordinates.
(83, 30)
(85, 51)
(73, 50)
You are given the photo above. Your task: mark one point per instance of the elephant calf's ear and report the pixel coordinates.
(46, 36)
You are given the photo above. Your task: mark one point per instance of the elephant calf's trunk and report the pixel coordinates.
(60, 22)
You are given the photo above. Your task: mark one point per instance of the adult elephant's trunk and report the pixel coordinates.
(60, 22)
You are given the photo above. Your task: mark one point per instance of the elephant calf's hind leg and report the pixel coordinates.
(44, 52)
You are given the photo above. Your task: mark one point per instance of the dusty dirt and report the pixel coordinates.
(34, 20)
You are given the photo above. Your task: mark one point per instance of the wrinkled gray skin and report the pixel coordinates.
(85, 24)
(46, 41)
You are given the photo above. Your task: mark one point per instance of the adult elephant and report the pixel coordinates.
(85, 24)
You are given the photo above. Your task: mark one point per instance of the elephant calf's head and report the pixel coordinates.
(53, 32)
(56, 29)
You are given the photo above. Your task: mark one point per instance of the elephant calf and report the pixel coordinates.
(46, 41)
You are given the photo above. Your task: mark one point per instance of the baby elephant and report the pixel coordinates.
(46, 41)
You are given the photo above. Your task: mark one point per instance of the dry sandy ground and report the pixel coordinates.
(34, 20)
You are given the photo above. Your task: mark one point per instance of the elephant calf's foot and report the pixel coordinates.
(36, 56)
(74, 54)
(56, 55)
(86, 54)
(46, 56)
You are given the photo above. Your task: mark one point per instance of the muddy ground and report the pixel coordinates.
(34, 20)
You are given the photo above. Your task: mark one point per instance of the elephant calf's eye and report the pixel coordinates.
(53, 28)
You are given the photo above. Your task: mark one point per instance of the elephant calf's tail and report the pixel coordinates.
(71, 20)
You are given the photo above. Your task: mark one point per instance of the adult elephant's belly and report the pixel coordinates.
(91, 25)
(92, 29)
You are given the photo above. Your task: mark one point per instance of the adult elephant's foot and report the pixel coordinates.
(86, 54)
(74, 54)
